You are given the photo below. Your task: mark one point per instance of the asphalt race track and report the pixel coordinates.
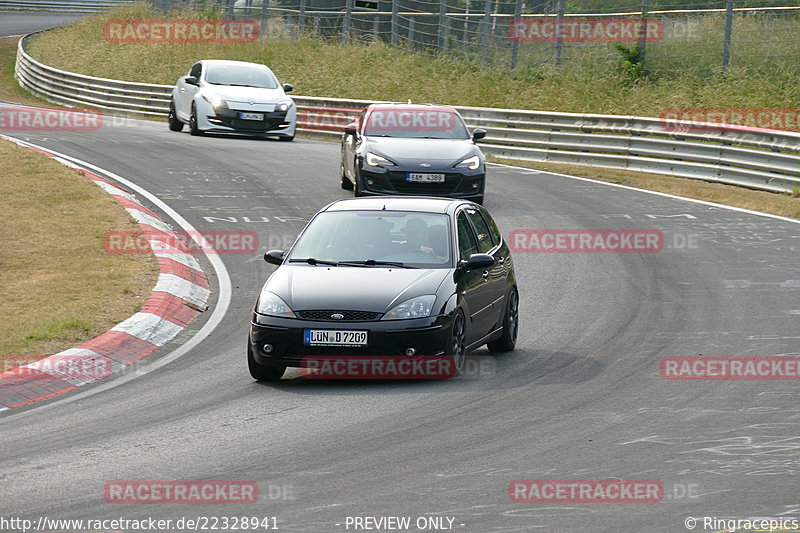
(20, 22)
(581, 397)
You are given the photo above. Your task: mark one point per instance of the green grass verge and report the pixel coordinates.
(594, 81)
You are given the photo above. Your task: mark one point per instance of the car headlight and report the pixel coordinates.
(471, 163)
(271, 304)
(418, 307)
(214, 100)
(374, 160)
(284, 106)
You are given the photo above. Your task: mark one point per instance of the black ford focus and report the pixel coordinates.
(412, 149)
(403, 277)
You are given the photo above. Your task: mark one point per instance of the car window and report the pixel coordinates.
(415, 122)
(493, 229)
(485, 243)
(196, 70)
(243, 75)
(467, 244)
(414, 239)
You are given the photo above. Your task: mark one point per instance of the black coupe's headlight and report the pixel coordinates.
(470, 163)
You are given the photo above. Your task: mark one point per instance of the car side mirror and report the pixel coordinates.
(478, 134)
(477, 261)
(351, 128)
(191, 80)
(288, 87)
(274, 257)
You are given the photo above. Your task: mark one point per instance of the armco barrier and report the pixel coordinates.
(62, 6)
(756, 158)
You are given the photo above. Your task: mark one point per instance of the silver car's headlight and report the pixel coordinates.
(214, 100)
(271, 304)
(284, 106)
(418, 307)
(375, 160)
(471, 163)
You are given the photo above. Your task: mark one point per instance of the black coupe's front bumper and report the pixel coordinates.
(380, 182)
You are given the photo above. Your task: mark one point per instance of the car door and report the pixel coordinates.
(490, 243)
(473, 283)
(186, 92)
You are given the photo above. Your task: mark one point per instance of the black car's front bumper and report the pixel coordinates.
(427, 336)
(380, 182)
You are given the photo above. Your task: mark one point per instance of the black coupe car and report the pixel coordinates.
(401, 277)
(412, 149)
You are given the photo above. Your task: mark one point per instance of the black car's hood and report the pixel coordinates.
(431, 150)
(343, 288)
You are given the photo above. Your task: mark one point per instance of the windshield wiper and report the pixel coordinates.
(242, 85)
(312, 261)
(373, 262)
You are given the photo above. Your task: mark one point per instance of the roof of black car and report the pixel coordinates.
(395, 203)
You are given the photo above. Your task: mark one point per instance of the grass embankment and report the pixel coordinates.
(594, 82)
(10, 90)
(60, 287)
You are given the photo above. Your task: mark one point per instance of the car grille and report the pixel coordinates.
(398, 181)
(349, 316)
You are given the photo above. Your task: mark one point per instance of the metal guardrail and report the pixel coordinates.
(755, 158)
(62, 6)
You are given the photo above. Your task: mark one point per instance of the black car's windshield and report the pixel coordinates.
(244, 75)
(376, 239)
(418, 122)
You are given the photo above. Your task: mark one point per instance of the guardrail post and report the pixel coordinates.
(394, 22)
(446, 37)
(230, 8)
(726, 43)
(515, 43)
(348, 16)
(442, 28)
(410, 34)
(264, 18)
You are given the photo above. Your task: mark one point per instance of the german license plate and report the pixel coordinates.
(425, 178)
(334, 337)
(251, 116)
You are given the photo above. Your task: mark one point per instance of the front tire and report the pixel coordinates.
(457, 342)
(346, 183)
(508, 339)
(193, 129)
(175, 123)
(262, 372)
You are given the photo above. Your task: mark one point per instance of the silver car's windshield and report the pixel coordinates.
(242, 75)
(376, 239)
